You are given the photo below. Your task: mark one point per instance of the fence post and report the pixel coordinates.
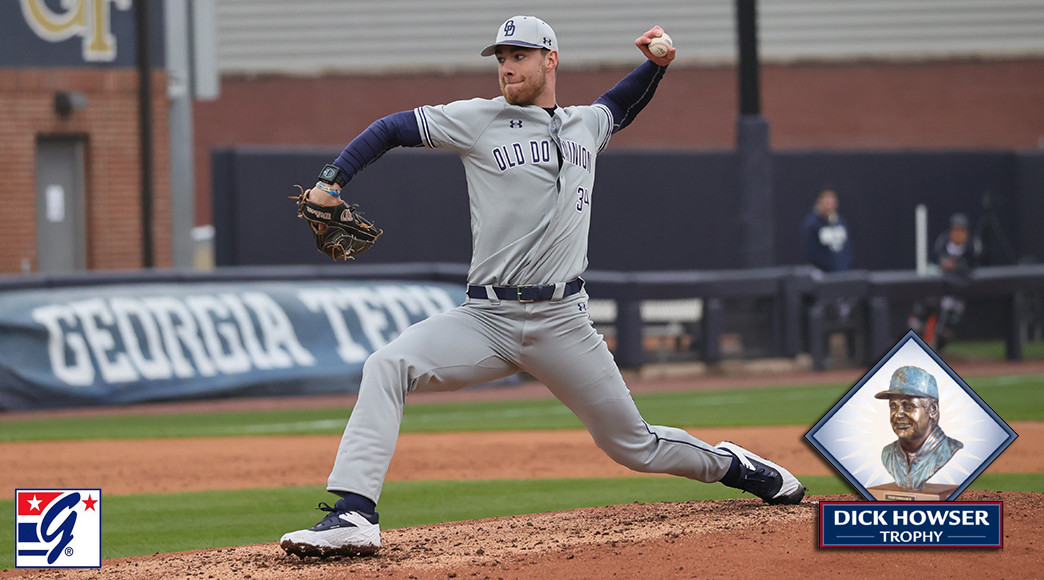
(629, 350)
(713, 314)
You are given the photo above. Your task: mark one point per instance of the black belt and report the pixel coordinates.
(526, 293)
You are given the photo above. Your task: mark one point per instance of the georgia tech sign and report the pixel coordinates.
(89, 19)
(141, 341)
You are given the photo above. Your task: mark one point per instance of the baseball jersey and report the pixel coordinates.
(965, 256)
(826, 242)
(530, 176)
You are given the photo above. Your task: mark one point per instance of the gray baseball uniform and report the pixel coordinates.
(530, 168)
(530, 175)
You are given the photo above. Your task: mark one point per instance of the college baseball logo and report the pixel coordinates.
(58, 528)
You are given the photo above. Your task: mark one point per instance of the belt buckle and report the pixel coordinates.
(519, 289)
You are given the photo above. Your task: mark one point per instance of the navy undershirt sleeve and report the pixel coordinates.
(396, 130)
(632, 93)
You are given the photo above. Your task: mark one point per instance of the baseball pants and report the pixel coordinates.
(487, 339)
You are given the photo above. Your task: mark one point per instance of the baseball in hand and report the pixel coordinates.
(660, 45)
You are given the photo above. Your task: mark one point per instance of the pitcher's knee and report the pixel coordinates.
(634, 457)
(387, 368)
(380, 361)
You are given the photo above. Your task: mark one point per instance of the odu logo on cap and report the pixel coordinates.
(509, 28)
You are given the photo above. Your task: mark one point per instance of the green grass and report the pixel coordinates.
(147, 524)
(1015, 398)
(991, 350)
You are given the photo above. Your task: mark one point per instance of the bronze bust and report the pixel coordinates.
(922, 448)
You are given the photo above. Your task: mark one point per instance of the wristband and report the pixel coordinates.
(333, 175)
(330, 190)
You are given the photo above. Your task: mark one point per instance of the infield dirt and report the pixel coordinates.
(707, 539)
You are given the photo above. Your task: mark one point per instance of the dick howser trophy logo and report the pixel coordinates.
(58, 528)
(910, 436)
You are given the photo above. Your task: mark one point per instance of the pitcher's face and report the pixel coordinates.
(523, 75)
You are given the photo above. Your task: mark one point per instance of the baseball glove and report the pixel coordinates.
(340, 231)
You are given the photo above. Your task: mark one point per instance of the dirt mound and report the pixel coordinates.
(726, 538)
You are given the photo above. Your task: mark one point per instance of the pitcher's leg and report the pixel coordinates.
(575, 364)
(444, 352)
(573, 361)
(605, 406)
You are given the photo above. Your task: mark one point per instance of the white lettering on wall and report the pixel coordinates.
(76, 367)
(131, 313)
(278, 339)
(382, 313)
(126, 339)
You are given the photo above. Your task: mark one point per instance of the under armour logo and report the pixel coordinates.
(515, 123)
(509, 28)
(583, 306)
(547, 42)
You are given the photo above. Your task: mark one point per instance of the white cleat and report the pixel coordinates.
(763, 478)
(340, 533)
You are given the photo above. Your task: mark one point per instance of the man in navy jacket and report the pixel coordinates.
(824, 235)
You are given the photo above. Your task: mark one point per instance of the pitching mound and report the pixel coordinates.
(727, 538)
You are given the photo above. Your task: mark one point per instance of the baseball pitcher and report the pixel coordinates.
(530, 168)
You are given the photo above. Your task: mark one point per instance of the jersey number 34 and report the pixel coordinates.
(583, 197)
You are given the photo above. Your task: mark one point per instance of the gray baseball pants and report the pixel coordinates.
(487, 339)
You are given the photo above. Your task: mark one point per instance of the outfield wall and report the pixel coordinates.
(149, 340)
(103, 338)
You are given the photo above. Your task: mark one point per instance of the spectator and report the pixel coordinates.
(824, 240)
(824, 235)
(955, 253)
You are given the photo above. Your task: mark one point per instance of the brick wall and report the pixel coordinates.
(969, 104)
(109, 125)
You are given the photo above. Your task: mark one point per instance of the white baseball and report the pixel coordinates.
(660, 45)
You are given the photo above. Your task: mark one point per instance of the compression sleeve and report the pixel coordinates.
(395, 130)
(632, 93)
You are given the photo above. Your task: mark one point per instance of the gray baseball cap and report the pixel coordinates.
(910, 382)
(527, 31)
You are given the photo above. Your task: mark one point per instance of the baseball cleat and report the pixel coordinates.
(341, 533)
(763, 478)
